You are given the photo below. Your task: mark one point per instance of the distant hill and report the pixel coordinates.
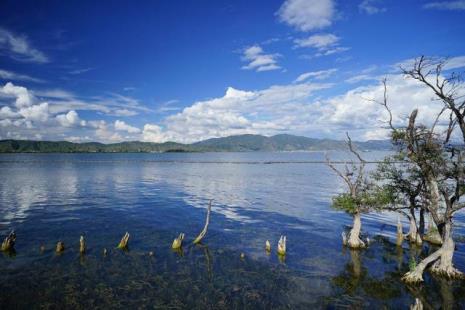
(240, 143)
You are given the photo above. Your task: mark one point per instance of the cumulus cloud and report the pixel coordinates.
(8, 113)
(298, 109)
(54, 114)
(19, 48)
(307, 15)
(238, 112)
(370, 7)
(70, 119)
(122, 126)
(36, 113)
(258, 60)
(318, 75)
(153, 133)
(23, 97)
(458, 5)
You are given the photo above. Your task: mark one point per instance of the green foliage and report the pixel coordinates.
(372, 199)
(412, 264)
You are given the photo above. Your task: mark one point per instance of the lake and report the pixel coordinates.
(154, 197)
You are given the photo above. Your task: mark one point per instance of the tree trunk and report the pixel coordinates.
(413, 235)
(421, 228)
(444, 265)
(400, 234)
(354, 240)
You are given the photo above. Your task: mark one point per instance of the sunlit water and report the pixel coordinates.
(256, 196)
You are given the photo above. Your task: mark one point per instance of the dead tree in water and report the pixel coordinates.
(205, 228)
(440, 162)
(403, 180)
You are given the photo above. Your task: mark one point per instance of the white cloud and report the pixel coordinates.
(318, 41)
(332, 51)
(37, 113)
(446, 5)
(361, 77)
(103, 133)
(307, 15)
(8, 113)
(51, 114)
(295, 109)
(19, 48)
(70, 119)
(455, 63)
(258, 60)
(112, 104)
(153, 133)
(325, 44)
(267, 111)
(23, 97)
(318, 75)
(370, 7)
(124, 112)
(122, 126)
(80, 71)
(8, 75)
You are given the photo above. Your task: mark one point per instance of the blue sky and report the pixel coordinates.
(190, 70)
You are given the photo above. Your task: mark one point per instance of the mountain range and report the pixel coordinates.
(239, 143)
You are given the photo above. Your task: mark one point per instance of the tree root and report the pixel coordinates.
(353, 243)
(449, 272)
(413, 277)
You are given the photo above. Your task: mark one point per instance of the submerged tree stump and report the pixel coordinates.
(267, 246)
(123, 244)
(205, 228)
(282, 245)
(60, 248)
(8, 243)
(177, 243)
(82, 245)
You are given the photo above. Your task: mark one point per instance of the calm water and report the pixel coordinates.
(257, 196)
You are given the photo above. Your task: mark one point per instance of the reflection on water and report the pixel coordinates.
(54, 197)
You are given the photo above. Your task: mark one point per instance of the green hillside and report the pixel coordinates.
(240, 143)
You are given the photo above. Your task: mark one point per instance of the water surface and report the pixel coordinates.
(256, 196)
